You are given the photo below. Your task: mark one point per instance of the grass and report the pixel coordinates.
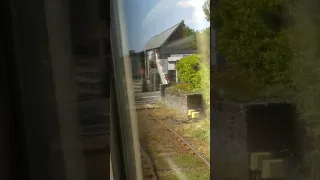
(183, 161)
(194, 168)
(191, 166)
(198, 130)
(198, 133)
(192, 175)
(187, 164)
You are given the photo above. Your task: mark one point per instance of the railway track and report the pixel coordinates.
(184, 142)
(171, 155)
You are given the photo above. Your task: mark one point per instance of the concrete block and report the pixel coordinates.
(257, 158)
(273, 169)
(195, 115)
(190, 111)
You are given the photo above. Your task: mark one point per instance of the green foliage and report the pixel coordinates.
(180, 88)
(206, 9)
(252, 35)
(188, 71)
(194, 76)
(275, 43)
(235, 84)
(187, 31)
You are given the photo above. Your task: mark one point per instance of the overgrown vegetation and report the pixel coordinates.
(194, 76)
(273, 50)
(235, 84)
(180, 88)
(253, 35)
(199, 131)
(194, 71)
(188, 32)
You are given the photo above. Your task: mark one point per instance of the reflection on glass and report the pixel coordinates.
(89, 29)
(172, 35)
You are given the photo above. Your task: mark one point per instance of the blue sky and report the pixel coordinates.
(147, 18)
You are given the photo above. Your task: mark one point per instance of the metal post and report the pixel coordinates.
(162, 91)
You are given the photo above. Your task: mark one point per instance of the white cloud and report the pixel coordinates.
(198, 15)
(155, 13)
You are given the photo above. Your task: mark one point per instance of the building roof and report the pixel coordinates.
(158, 40)
(184, 43)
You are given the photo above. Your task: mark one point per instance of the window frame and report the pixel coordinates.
(125, 147)
(125, 109)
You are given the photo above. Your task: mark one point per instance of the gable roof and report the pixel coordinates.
(184, 43)
(160, 39)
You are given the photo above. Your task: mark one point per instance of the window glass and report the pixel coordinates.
(173, 35)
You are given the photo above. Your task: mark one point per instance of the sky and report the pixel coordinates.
(147, 18)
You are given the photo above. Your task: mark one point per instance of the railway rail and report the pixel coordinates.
(184, 142)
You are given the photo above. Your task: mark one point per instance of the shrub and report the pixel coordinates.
(278, 48)
(194, 76)
(188, 71)
(180, 87)
(253, 35)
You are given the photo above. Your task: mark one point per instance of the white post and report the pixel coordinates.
(176, 75)
(154, 81)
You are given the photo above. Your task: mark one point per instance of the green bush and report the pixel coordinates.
(253, 35)
(194, 76)
(189, 71)
(180, 88)
(276, 43)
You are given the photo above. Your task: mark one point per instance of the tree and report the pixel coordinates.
(187, 31)
(206, 9)
(253, 35)
(276, 40)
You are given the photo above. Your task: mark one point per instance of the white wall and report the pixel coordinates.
(171, 65)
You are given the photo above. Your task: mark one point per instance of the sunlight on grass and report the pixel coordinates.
(198, 130)
(198, 175)
(198, 133)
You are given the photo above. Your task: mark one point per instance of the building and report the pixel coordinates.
(137, 64)
(171, 42)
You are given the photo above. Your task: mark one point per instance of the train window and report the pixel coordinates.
(85, 94)
(70, 89)
(170, 38)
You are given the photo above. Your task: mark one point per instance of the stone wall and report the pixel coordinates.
(238, 129)
(182, 102)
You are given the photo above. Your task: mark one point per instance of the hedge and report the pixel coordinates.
(189, 71)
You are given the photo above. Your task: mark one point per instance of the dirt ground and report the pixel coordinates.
(170, 158)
